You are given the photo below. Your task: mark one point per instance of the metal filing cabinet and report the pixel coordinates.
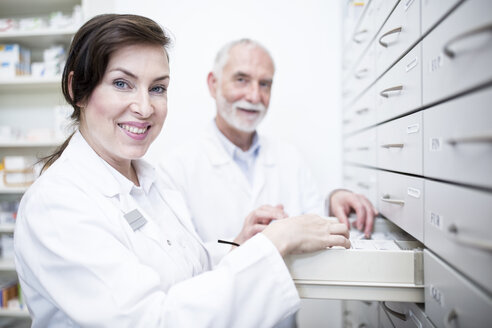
(417, 126)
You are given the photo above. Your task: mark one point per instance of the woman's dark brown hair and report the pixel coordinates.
(89, 54)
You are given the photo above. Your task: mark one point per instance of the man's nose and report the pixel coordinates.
(253, 95)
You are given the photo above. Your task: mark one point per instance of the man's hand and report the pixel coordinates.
(343, 202)
(258, 220)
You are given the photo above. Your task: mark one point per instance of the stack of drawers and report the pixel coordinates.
(417, 124)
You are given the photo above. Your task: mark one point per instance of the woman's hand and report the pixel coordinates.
(306, 233)
(258, 220)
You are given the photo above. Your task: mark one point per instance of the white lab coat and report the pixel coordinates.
(220, 197)
(80, 264)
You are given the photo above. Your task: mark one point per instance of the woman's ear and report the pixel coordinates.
(70, 79)
(70, 89)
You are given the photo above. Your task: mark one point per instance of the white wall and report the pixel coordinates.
(303, 37)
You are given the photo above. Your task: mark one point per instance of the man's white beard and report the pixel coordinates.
(229, 112)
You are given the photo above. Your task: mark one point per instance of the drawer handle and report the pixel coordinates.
(363, 185)
(362, 148)
(393, 31)
(401, 316)
(362, 73)
(387, 199)
(346, 121)
(362, 111)
(385, 92)
(452, 316)
(359, 34)
(485, 245)
(478, 138)
(450, 53)
(393, 145)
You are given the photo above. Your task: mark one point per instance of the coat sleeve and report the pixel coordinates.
(74, 260)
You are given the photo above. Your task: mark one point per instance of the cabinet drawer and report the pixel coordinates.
(399, 90)
(362, 180)
(365, 71)
(450, 299)
(435, 10)
(458, 228)
(458, 140)
(361, 148)
(401, 200)
(361, 114)
(399, 146)
(398, 34)
(458, 52)
(382, 11)
(363, 34)
(336, 273)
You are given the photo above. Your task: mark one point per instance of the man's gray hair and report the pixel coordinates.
(223, 54)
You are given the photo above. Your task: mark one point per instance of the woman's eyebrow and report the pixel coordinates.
(126, 72)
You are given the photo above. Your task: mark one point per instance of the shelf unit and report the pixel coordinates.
(27, 107)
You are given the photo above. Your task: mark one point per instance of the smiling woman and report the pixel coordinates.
(99, 240)
(127, 109)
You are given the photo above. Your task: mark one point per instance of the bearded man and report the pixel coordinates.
(235, 181)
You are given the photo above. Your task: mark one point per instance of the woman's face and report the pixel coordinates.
(126, 111)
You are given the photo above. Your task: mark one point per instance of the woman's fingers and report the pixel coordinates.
(339, 229)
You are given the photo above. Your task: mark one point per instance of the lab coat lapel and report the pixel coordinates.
(177, 205)
(264, 163)
(222, 161)
(150, 228)
(97, 176)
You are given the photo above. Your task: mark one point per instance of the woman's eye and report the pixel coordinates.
(158, 89)
(120, 84)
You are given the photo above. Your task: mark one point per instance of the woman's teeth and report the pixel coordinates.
(133, 129)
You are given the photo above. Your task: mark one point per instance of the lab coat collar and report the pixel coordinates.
(219, 155)
(86, 160)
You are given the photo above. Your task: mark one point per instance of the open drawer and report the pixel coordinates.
(387, 267)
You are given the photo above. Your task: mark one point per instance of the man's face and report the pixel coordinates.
(243, 89)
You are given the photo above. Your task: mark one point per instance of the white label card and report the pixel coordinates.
(436, 63)
(414, 192)
(411, 64)
(414, 128)
(408, 3)
(436, 295)
(436, 220)
(435, 144)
